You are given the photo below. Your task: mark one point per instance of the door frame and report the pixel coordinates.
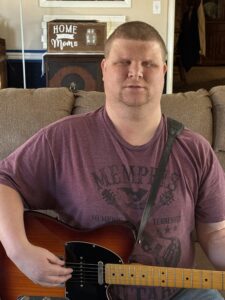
(170, 45)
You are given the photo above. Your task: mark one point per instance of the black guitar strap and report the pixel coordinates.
(174, 129)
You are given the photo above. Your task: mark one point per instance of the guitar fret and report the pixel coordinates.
(182, 279)
(201, 278)
(175, 278)
(153, 277)
(187, 278)
(166, 277)
(218, 280)
(148, 277)
(211, 277)
(222, 280)
(205, 281)
(159, 279)
(191, 279)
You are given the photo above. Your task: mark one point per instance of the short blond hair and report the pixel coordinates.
(136, 30)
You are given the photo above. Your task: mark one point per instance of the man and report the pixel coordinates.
(99, 167)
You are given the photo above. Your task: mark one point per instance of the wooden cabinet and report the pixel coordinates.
(3, 65)
(214, 28)
(214, 9)
(81, 70)
(215, 43)
(215, 32)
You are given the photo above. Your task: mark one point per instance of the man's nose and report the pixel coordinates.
(135, 70)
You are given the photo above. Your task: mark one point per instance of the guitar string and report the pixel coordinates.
(85, 273)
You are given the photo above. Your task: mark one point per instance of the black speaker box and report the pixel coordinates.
(82, 71)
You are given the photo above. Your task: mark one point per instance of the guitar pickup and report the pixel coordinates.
(100, 273)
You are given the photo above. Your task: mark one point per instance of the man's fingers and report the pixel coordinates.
(56, 260)
(55, 281)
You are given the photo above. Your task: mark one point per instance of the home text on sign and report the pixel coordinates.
(65, 36)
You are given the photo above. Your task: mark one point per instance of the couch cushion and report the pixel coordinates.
(218, 99)
(193, 109)
(221, 157)
(88, 101)
(24, 111)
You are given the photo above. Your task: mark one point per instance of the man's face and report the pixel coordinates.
(133, 72)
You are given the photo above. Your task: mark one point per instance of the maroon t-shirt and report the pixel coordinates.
(80, 167)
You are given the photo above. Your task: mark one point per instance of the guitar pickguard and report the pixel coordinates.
(88, 261)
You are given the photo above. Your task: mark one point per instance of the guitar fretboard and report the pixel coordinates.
(132, 274)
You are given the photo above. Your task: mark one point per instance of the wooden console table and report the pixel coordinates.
(3, 65)
(83, 71)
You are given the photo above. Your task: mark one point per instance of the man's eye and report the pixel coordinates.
(149, 64)
(124, 62)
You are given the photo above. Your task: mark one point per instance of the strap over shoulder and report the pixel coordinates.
(174, 129)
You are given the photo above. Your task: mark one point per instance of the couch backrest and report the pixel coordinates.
(24, 112)
(193, 109)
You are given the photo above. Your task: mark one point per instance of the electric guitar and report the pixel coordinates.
(99, 258)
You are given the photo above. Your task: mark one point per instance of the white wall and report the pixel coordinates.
(33, 14)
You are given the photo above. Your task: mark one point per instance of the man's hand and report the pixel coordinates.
(38, 264)
(41, 266)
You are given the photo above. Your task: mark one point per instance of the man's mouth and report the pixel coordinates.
(134, 87)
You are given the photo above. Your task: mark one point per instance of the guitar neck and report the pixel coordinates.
(135, 274)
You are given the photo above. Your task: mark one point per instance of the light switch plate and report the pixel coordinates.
(156, 7)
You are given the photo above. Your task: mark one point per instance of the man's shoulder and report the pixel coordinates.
(74, 121)
(194, 146)
(190, 136)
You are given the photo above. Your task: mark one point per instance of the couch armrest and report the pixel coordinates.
(217, 95)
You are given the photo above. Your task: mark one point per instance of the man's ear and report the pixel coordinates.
(103, 63)
(165, 68)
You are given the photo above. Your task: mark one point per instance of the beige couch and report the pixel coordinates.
(23, 112)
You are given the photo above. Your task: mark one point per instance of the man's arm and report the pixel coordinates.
(40, 265)
(12, 233)
(212, 239)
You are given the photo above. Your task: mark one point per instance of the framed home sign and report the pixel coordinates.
(85, 3)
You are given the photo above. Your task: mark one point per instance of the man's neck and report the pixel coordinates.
(135, 126)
